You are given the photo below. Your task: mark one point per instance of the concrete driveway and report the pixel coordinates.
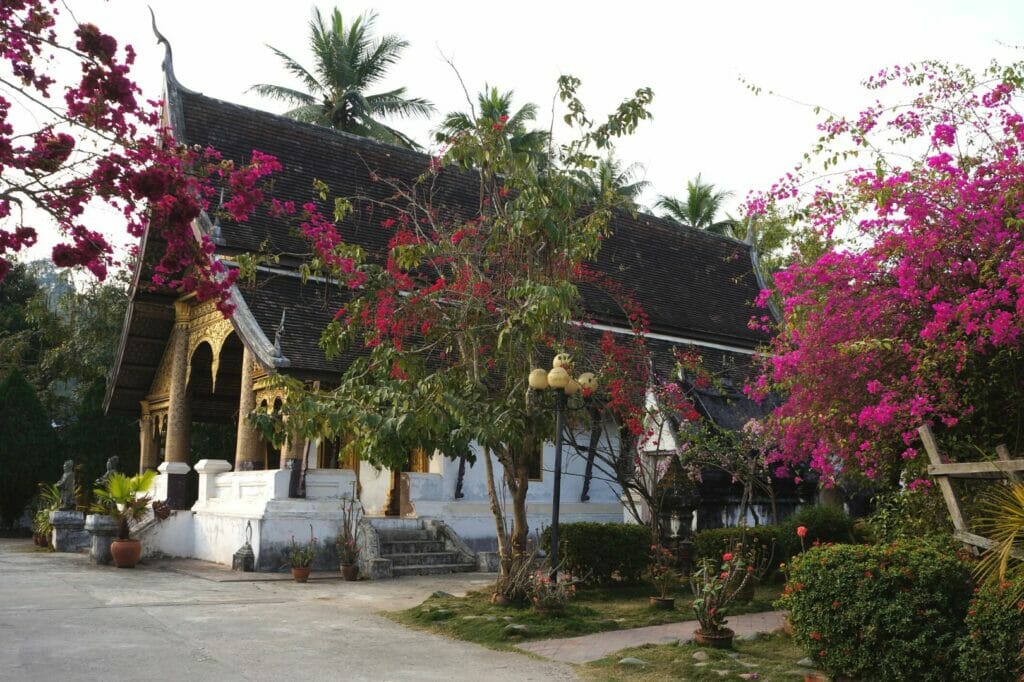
(62, 618)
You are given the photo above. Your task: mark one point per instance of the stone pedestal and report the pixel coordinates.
(208, 469)
(102, 530)
(176, 484)
(68, 531)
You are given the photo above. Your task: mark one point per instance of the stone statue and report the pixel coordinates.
(67, 487)
(112, 463)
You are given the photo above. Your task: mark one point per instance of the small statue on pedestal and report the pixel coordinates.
(112, 463)
(67, 487)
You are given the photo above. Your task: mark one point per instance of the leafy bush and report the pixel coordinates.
(598, 553)
(713, 543)
(907, 514)
(990, 648)
(824, 524)
(879, 612)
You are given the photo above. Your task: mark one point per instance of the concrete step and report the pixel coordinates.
(424, 558)
(390, 535)
(410, 546)
(398, 571)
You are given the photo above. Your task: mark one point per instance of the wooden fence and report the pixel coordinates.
(1002, 469)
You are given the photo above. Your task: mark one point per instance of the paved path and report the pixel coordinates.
(592, 647)
(62, 618)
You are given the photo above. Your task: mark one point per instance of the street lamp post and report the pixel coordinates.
(564, 386)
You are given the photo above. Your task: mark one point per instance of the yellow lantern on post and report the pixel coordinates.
(587, 380)
(538, 379)
(563, 360)
(573, 387)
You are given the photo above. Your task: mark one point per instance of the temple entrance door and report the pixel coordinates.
(399, 503)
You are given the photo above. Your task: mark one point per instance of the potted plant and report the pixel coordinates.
(126, 499)
(300, 558)
(664, 576)
(712, 597)
(49, 501)
(348, 549)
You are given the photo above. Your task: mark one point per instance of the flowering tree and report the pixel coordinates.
(913, 311)
(65, 145)
(452, 320)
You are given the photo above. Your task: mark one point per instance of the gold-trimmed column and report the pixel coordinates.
(249, 450)
(179, 413)
(149, 458)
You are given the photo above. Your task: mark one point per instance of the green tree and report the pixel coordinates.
(453, 324)
(493, 115)
(610, 177)
(20, 338)
(700, 208)
(348, 61)
(79, 327)
(29, 452)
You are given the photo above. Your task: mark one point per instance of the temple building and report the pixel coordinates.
(181, 363)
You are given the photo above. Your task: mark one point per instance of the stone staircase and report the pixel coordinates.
(421, 547)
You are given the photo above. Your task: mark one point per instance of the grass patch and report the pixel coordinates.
(473, 618)
(772, 658)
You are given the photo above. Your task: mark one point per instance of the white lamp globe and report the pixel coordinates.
(558, 378)
(588, 380)
(572, 388)
(538, 379)
(563, 360)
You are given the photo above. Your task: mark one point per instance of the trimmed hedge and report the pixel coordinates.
(602, 552)
(713, 543)
(990, 648)
(824, 524)
(879, 612)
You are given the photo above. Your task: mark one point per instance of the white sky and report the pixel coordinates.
(691, 54)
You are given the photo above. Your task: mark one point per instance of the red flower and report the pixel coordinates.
(801, 531)
(727, 556)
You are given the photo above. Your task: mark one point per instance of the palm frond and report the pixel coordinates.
(394, 103)
(282, 93)
(298, 70)
(1002, 521)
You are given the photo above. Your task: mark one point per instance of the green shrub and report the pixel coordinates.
(907, 514)
(601, 552)
(713, 543)
(824, 523)
(879, 612)
(991, 646)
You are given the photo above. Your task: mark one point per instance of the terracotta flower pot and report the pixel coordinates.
(300, 573)
(350, 571)
(663, 603)
(717, 640)
(126, 553)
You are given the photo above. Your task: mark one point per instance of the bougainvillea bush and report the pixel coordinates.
(914, 310)
(879, 612)
(67, 145)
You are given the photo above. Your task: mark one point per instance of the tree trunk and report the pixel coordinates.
(520, 525)
(499, 518)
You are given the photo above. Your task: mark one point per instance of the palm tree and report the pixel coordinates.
(610, 178)
(348, 62)
(700, 207)
(493, 112)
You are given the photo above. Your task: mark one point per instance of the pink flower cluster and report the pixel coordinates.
(926, 306)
